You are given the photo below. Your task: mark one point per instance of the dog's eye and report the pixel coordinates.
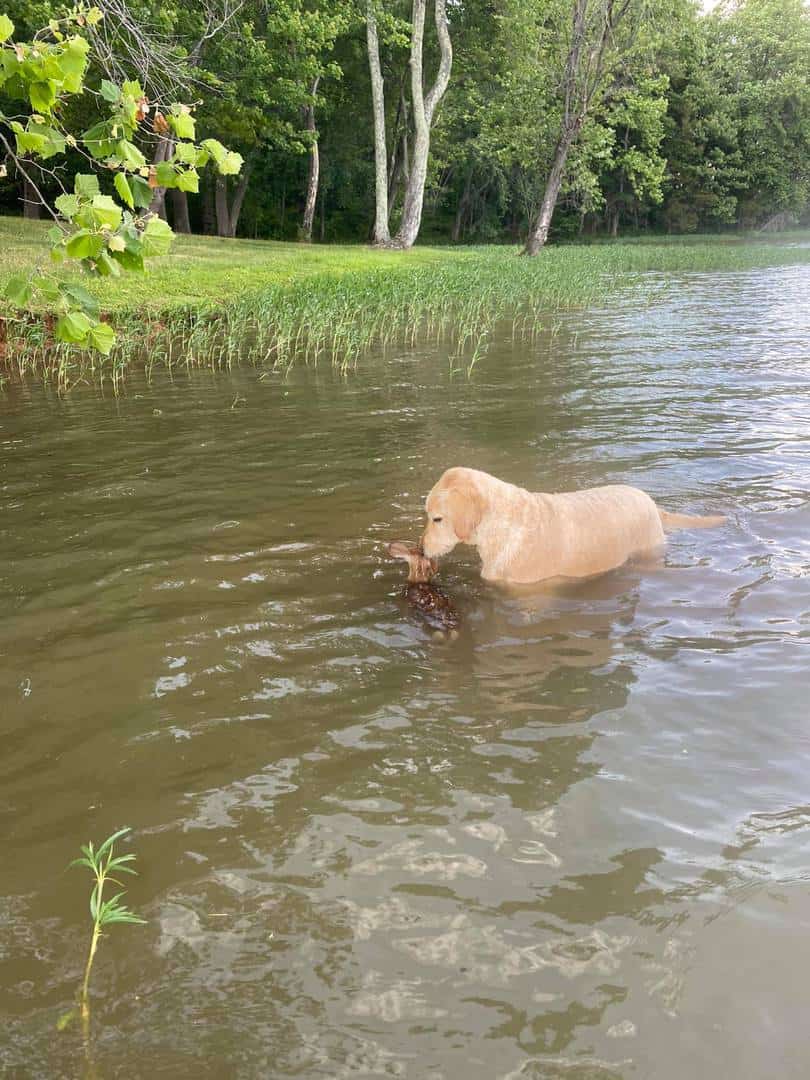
(437, 520)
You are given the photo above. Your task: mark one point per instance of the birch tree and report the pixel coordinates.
(424, 111)
(381, 236)
(314, 171)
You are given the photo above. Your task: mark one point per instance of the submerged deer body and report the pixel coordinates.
(428, 600)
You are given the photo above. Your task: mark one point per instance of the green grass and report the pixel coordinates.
(203, 271)
(214, 302)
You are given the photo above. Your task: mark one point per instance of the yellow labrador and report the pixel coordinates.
(523, 536)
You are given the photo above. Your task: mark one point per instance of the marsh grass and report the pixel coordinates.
(281, 304)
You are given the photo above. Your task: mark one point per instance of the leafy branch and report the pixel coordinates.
(105, 234)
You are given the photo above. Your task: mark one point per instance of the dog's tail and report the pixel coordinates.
(689, 521)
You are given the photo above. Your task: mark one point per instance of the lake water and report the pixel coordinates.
(573, 844)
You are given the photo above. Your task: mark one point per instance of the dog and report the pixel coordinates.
(525, 537)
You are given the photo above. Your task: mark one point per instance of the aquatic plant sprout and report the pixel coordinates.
(103, 863)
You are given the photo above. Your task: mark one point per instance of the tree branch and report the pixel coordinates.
(23, 172)
(436, 92)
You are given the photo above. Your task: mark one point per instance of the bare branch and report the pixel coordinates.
(24, 172)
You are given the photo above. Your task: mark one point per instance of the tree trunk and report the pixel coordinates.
(163, 151)
(582, 76)
(228, 215)
(393, 164)
(314, 169)
(400, 167)
(381, 234)
(463, 205)
(180, 218)
(424, 107)
(221, 204)
(539, 234)
(209, 217)
(393, 178)
(239, 197)
(32, 207)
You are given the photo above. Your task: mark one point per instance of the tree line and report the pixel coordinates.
(462, 120)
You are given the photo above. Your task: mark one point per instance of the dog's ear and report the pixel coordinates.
(465, 508)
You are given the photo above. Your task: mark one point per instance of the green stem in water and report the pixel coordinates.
(87, 970)
(103, 863)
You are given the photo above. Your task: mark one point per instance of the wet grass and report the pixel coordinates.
(220, 302)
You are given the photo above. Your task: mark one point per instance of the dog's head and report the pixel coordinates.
(420, 567)
(454, 510)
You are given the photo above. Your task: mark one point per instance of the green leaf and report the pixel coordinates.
(109, 91)
(74, 328)
(141, 192)
(124, 190)
(18, 290)
(129, 154)
(48, 288)
(42, 95)
(132, 89)
(86, 185)
(129, 260)
(227, 162)
(94, 16)
(106, 211)
(102, 338)
(182, 124)
(78, 295)
(68, 206)
(97, 140)
(124, 917)
(166, 174)
(82, 862)
(108, 843)
(54, 140)
(157, 238)
(66, 1019)
(73, 63)
(232, 164)
(215, 149)
(6, 28)
(119, 862)
(188, 180)
(186, 153)
(28, 142)
(107, 266)
(84, 245)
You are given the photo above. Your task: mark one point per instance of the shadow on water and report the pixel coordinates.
(572, 843)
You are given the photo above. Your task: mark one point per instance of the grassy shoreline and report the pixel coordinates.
(215, 302)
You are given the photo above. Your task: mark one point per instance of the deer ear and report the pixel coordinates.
(398, 549)
(465, 509)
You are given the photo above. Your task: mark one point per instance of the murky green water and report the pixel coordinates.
(575, 843)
